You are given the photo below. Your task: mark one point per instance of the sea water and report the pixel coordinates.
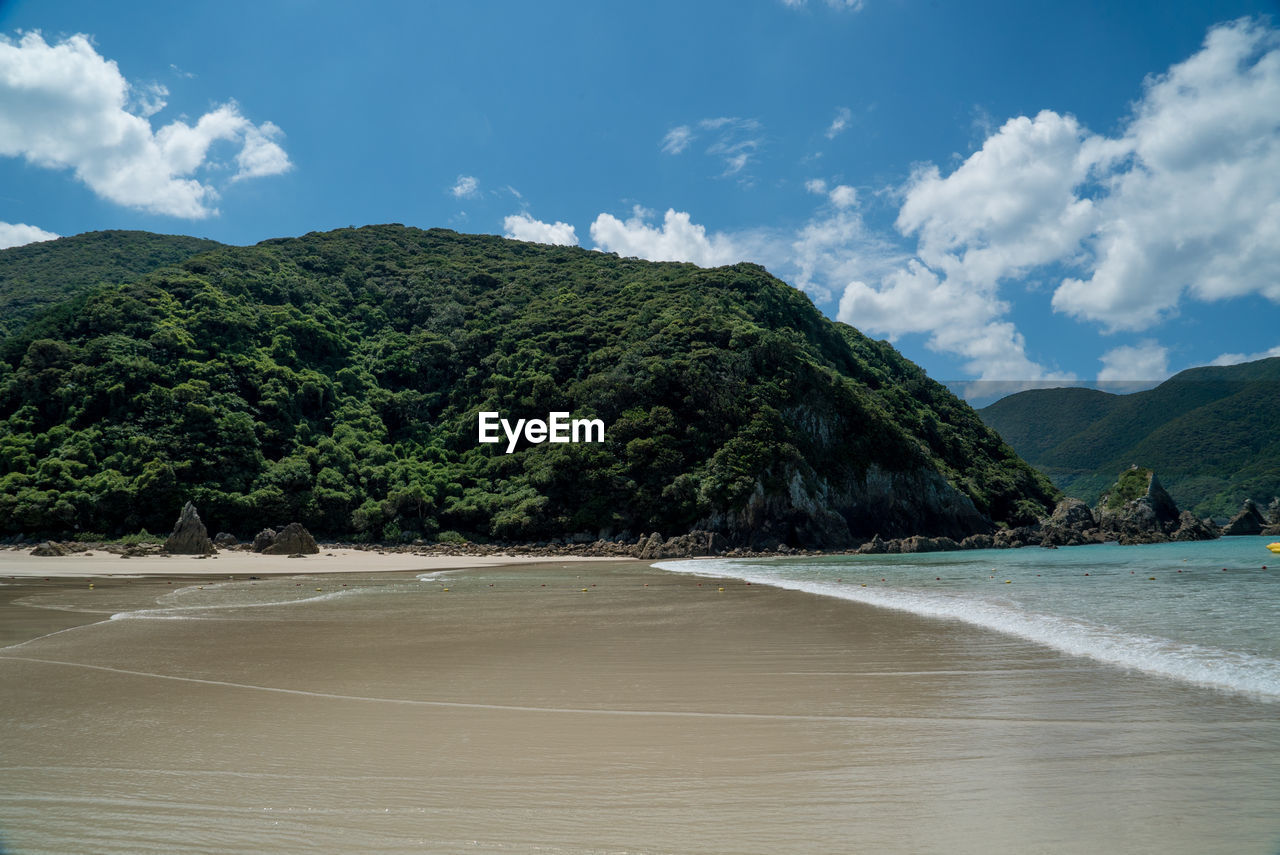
(1204, 613)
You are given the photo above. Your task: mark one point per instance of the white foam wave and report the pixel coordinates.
(1197, 664)
(184, 612)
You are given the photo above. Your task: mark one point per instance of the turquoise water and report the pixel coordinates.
(1205, 613)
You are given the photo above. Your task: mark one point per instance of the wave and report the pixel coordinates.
(1197, 664)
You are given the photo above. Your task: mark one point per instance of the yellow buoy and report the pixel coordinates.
(1274, 547)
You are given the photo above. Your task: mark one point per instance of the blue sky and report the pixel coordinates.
(1053, 192)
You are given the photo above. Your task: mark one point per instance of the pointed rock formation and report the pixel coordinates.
(1133, 514)
(1248, 521)
(189, 537)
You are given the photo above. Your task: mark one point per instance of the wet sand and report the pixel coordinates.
(651, 713)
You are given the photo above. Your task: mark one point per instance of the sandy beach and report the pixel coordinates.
(19, 563)
(506, 709)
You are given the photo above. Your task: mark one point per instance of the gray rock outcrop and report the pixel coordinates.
(263, 539)
(1248, 521)
(1191, 528)
(189, 537)
(293, 539)
(50, 549)
(1072, 523)
(225, 540)
(1151, 518)
(691, 545)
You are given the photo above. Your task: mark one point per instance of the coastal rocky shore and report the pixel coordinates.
(1137, 509)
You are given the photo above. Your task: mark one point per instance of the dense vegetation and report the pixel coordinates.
(335, 379)
(39, 275)
(1209, 433)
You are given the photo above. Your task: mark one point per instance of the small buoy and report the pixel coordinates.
(864, 584)
(722, 590)
(1086, 574)
(1008, 581)
(1151, 578)
(446, 590)
(584, 590)
(90, 584)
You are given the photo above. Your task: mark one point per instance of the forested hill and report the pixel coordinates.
(39, 275)
(1209, 433)
(335, 379)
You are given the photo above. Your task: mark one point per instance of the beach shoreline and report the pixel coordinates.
(19, 563)
(581, 707)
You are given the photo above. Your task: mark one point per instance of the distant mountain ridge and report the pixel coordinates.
(335, 379)
(1210, 433)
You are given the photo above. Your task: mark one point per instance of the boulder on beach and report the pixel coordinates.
(293, 539)
(226, 540)
(263, 539)
(50, 549)
(189, 537)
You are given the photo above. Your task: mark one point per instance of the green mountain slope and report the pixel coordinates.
(336, 379)
(38, 275)
(1210, 433)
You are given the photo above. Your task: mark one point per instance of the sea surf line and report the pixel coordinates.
(1200, 664)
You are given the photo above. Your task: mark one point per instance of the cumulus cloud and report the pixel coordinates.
(1183, 202)
(958, 319)
(525, 227)
(19, 234)
(63, 106)
(1195, 208)
(1010, 206)
(1134, 367)
(466, 187)
(677, 239)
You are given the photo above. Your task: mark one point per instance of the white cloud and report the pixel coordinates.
(734, 141)
(1010, 206)
(1184, 202)
(958, 319)
(840, 123)
(525, 227)
(737, 141)
(261, 154)
(851, 5)
(1130, 368)
(63, 106)
(816, 185)
(677, 239)
(834, 247)
(19, 234)
(465, 187)
(843, 196)
(1237, 358)
(677, 139)
(1195, 210)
